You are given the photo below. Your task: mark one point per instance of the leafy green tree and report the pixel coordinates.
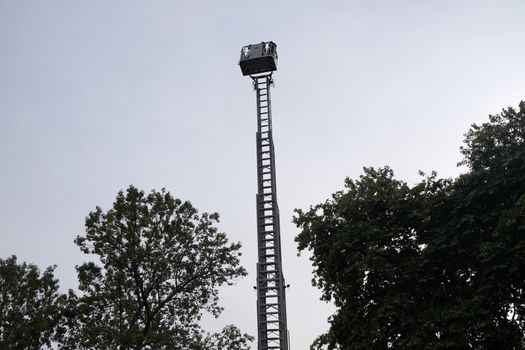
(30, 306)
(437, 265)
(229, 339)
(159, 266)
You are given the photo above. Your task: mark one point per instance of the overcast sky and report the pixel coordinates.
(97, 95)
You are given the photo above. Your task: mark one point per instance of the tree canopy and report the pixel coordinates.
(156, 268)
(436, 265)
(30, 306)
(159, 264)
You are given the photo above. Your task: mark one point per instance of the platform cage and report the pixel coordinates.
(258, 58)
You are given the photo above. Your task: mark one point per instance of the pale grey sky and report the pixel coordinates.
(97, 95)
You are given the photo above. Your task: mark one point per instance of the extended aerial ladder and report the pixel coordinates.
(259, 61)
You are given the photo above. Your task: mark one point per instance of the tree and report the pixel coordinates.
(229, 339)
(437, 265)
(30, 305)
(159, 267)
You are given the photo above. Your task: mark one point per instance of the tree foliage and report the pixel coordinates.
(30, 305)
(159, 266)
(437, 265)
(229, 339)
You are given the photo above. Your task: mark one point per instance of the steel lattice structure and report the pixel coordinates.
(271, 299)
(271, 288)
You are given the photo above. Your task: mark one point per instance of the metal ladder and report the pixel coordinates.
(271, 288)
